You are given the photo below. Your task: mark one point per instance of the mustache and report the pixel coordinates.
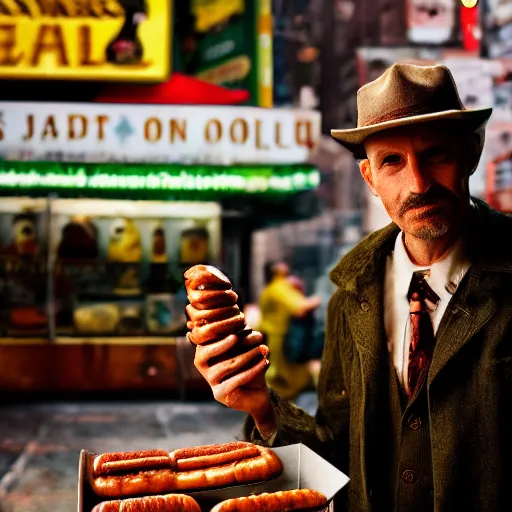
(432, 196)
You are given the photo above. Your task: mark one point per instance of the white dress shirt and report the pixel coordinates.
(444, 278)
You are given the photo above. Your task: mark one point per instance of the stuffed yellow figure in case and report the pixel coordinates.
(124, 245)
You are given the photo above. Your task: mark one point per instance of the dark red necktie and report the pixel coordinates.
(422, 300)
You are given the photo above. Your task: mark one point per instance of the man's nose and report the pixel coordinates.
(419, 180)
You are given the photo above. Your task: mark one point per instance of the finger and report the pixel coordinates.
(253, 338)
(206, 352)
(237, 364)
(241, 379)
(239, 348)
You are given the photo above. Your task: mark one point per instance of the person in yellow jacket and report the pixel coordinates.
(279, 302)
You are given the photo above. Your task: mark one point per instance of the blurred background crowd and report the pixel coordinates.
(140, 137)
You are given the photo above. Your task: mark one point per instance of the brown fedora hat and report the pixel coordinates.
(408, 94)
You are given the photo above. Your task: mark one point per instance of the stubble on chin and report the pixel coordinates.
(424, 227)
(432, 231)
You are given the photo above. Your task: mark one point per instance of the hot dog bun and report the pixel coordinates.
(167, 503)
(281, 501)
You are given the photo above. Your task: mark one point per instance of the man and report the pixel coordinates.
(280, 302)
(416, 380)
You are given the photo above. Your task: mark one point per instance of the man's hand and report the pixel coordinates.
(238, 379)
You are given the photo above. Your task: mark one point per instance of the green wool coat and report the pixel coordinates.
(469, 385)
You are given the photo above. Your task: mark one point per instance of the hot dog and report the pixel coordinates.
(213, 313)
(132, 473)
(220, 465)
(167, 503)
(281, 501)
(200, 467)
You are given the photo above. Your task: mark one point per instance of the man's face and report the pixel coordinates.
(420, 174)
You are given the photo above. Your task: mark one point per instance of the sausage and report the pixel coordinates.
(202, 316)
(109, 463)
(206, 277)
(205, 461)
(167, 503)
(212, 313)
(207, 449)
(280, 501)
(211, 299)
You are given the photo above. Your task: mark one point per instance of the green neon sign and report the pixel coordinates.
(52, 176)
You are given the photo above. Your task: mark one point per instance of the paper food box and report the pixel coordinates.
(302, 468)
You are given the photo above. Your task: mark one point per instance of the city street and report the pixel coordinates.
(40, 444)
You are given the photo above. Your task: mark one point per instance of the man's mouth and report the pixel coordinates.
(428, 210)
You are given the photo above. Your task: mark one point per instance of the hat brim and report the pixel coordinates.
(353, 138)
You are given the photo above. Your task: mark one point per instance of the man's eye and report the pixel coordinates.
(436, 155)
(391, 159)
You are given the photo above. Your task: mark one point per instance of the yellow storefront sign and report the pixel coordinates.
(119, 40)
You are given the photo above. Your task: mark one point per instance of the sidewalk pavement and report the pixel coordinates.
(40, 444)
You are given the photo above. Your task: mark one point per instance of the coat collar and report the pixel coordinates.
(365, 263)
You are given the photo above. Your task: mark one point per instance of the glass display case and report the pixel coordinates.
(92, 292)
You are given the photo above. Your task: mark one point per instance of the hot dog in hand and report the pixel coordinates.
(229, 355)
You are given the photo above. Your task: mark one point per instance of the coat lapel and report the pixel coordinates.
(471, 308)
(476, 300)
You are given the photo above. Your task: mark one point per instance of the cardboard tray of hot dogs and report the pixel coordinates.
(302, 469)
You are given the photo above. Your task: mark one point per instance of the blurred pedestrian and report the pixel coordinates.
(280, 301)
(303, 343)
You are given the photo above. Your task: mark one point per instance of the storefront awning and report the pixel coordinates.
(178, 90)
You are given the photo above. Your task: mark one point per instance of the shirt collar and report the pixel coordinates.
(445, 275)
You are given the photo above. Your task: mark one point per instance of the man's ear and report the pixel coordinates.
(366, 173)
(474, 150)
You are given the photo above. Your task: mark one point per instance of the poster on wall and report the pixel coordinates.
(119, 40)
(498, 28)
(227, 43)
(431, 21)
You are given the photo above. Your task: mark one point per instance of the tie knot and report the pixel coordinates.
(419, 290)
